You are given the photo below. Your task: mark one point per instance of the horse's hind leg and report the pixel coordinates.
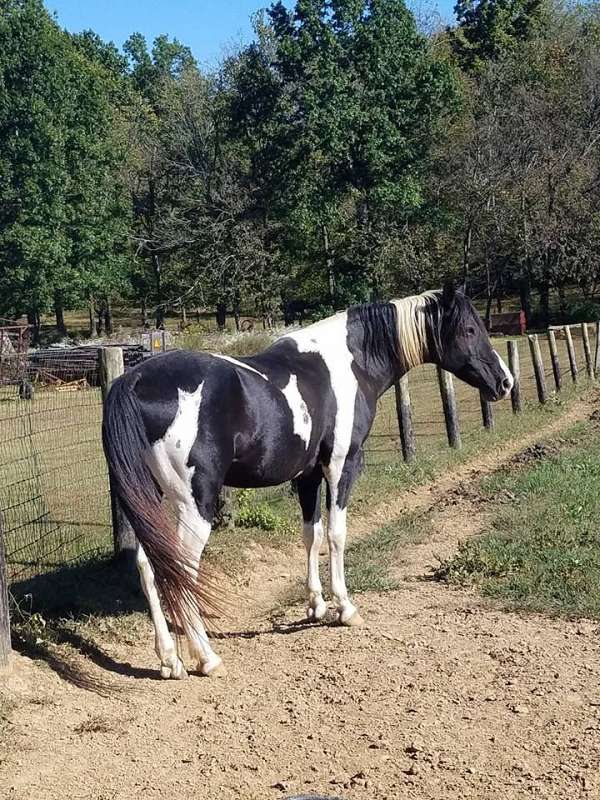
(309, 495)
(171, 665)
(194, 530)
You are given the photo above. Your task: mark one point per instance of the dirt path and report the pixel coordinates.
(438, 697)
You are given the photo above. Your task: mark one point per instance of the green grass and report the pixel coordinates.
(542, 549)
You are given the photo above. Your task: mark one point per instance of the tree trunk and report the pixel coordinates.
(562, 302)
(236, 312)
(467, 254)
(92, 316)
(33, 320)
(489, 293)
(160, 309)
(60, 315)
(101, 319)
(221, 316)
(108, 316)
(525, 294)
(544, 302)
(184, 320)
(499, 293)
(329, 264)
(144, 313)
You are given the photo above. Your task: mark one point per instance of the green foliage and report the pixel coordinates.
(341, 157)
(63, 215)
(346, 100)
(488, 29)
(542, 551)
(253, 514)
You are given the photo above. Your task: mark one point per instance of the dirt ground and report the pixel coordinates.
(440, 696)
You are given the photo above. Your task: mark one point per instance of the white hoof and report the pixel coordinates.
(174, 670)
(316, 609)
(351, 619)
(213, 668)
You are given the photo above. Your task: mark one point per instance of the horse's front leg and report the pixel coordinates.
(337, 504)
(309, 495)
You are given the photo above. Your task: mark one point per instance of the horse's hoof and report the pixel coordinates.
(317, 612)
(215, 669)
(354, 620)
(175, 672)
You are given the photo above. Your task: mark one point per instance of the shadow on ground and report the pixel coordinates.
(46, 608)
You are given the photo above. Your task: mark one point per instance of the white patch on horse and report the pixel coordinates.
(507, 373)
(240, 364)
(327, 338)
(302, 420)
(168, 459)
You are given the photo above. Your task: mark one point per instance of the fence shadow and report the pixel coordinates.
(94, 588)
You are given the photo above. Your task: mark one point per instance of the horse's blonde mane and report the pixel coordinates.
(412, 330)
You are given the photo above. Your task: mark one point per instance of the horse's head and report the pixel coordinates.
(462, 346)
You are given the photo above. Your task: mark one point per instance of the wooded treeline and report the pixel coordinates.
(350, 152)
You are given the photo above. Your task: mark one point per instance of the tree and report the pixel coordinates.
(62, 218)
(342, 100)
(488, 29)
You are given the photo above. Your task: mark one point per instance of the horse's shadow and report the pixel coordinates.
(92, 590)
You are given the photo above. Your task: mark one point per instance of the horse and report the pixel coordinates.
(184, 424)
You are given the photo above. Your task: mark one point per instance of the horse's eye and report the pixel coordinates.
(470, 331)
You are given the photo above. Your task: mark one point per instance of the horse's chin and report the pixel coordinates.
(492, 396)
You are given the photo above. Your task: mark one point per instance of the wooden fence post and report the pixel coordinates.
(403, 411)
(5, 649)
(597, 354)
(538, 367)
(111, 366)
(587, 350)
(486, 413)
(449, 404)
(571, 353)
(555, 360)
(515, 368)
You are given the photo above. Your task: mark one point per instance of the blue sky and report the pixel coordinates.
(209, 27)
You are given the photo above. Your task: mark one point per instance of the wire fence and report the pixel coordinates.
(54, 491)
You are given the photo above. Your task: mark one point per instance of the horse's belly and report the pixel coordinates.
(271, 469)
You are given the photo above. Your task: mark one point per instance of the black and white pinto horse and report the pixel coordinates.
(185, 424)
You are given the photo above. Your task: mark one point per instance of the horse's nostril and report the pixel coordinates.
(507, 384)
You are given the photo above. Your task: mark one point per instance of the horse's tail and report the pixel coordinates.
(175, 570)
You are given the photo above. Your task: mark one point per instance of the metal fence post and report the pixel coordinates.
(5, 649)
(515, 368)
(111, 367)
(450, 410)
(403, 411)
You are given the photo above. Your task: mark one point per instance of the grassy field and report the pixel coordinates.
(54, 490)
(542, 550)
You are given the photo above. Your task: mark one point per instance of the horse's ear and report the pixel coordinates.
(449, 294)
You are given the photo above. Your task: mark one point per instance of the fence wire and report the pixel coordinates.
(54, 493)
